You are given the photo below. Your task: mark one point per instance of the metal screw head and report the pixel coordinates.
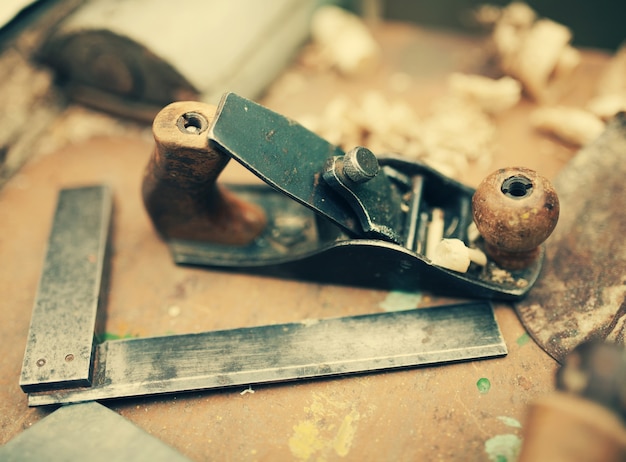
(517, 187)
(192, 123)
(360, 164)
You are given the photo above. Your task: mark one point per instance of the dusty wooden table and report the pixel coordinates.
(431, 413)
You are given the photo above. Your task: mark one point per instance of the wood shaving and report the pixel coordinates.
(451, 254)
(491, 95)
(611, 92)
(477, 256)
(454, 255)
(572, 125)
(472, 233)
(459, 131)
(344, 40)
(247, 390)
(606, 107)
(456, 133)
(537, 52)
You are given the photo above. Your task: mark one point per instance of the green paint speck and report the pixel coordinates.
(523, 339)
(400, 301)
(510, 421)
(503, 448)
(483, 385)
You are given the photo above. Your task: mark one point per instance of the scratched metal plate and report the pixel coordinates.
(581, 294)
(59, 351)
(285, 352)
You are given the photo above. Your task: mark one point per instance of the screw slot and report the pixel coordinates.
(517, 187)
(41, 362)
(192, 123)
(69, 358)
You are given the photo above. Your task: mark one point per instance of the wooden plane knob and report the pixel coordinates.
(515, 210)
(179, 187)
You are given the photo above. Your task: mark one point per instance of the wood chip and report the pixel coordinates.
(572, 125)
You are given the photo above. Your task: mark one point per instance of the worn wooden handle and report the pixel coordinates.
(179, 187)
(515, 209)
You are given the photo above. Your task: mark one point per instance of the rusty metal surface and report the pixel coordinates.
(582, 292)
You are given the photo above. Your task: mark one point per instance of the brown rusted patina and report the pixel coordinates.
(179, 187)
(582, 292)
(515, 209)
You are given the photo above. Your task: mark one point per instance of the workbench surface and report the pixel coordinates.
(430, 413)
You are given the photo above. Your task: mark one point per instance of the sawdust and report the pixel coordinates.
(570, 124)
(456, 133)
(534, 55)
(344, 41)
(502, 276)
(535, 51)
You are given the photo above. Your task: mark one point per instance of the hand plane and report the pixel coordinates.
(325, 215)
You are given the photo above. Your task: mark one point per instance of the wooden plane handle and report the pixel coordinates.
(180, 190)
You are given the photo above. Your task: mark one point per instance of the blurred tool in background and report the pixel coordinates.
(583, 421)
